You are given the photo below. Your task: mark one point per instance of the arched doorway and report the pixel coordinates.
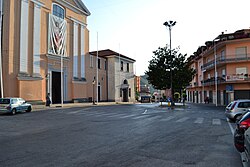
(125, 87)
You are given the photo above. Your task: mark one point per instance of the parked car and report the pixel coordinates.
(235, 109)
(247, 145)
(241, 126)
(14, 105)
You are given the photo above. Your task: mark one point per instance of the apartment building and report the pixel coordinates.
(222, 69)
(116, 78)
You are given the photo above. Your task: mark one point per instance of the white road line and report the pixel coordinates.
(216, 122)
(168, 118)
(153, 118)
(116, 115)
(103, 114)
(74, 112)
(86, 114)
(199, 121)
(183, 119)
(127, 116)
(143, 116)
(230, 125)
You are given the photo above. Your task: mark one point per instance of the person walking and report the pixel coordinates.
(48, 101)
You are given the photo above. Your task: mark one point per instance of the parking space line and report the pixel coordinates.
(230, 126)
(199, 121)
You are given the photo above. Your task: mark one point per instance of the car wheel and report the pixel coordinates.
(13, 111)
(29, 109)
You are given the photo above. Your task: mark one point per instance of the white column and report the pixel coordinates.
(75, 51)
(36, 39)
(24, 36)
(1, 63)
(82, 52)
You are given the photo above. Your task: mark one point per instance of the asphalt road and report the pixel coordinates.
(138, 135)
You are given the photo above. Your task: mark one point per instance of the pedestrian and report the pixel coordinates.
(206, 100)
(48, 101)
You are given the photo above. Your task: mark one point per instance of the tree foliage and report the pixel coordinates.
(159, 74)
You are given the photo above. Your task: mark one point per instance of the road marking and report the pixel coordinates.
(143, 116)
(230, 125)
(116, 115)
(104, 114)
(153, 118)
(199, 121)
(74, 112)
(127, 116)
(168, 118)
(145, 111)
(183, 119)
(216, 122)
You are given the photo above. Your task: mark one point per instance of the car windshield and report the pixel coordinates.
(4, 101)
(230, 104)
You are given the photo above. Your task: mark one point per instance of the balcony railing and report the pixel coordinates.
(227, 78)
(226, 59)
(238, 77)
(211, 81)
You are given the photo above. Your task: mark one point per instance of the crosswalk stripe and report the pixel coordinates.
(183, 119)
(153, 118)
(116, 115)
(127, 116)
(143, 116)
(168, 118)
(216, 122)
(199, 121)
(74, 112)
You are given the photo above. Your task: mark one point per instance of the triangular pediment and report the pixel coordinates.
(75, 5)
(72, 2)
(81, 5)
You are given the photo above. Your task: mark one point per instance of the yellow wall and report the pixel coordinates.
(33, 89)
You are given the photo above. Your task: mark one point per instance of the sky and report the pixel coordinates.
(135, 27)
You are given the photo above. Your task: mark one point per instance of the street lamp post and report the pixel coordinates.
(170, 24)
(215, 71)
(203, 78)
(93, 82)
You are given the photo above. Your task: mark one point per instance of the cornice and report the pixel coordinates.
(70, 6)
(38, 3)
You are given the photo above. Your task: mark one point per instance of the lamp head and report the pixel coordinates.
(169, 23)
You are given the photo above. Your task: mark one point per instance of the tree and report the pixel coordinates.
(159, 74)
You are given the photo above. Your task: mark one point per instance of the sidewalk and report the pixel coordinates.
(70, 105)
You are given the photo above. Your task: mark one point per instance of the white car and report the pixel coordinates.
(14, 105)
(235, 109)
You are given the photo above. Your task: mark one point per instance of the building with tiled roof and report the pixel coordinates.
(222, 69)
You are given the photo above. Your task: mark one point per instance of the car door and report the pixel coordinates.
(22, 104)
(243, 106)
(247, 143)
(15, 104)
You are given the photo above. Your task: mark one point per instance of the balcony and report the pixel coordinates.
(226, 79)
(238, 77)
(220, 60)
(211, 81)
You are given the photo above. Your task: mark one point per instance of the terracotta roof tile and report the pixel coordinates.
(108, 52)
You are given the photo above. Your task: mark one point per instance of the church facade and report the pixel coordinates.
(44, 45)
